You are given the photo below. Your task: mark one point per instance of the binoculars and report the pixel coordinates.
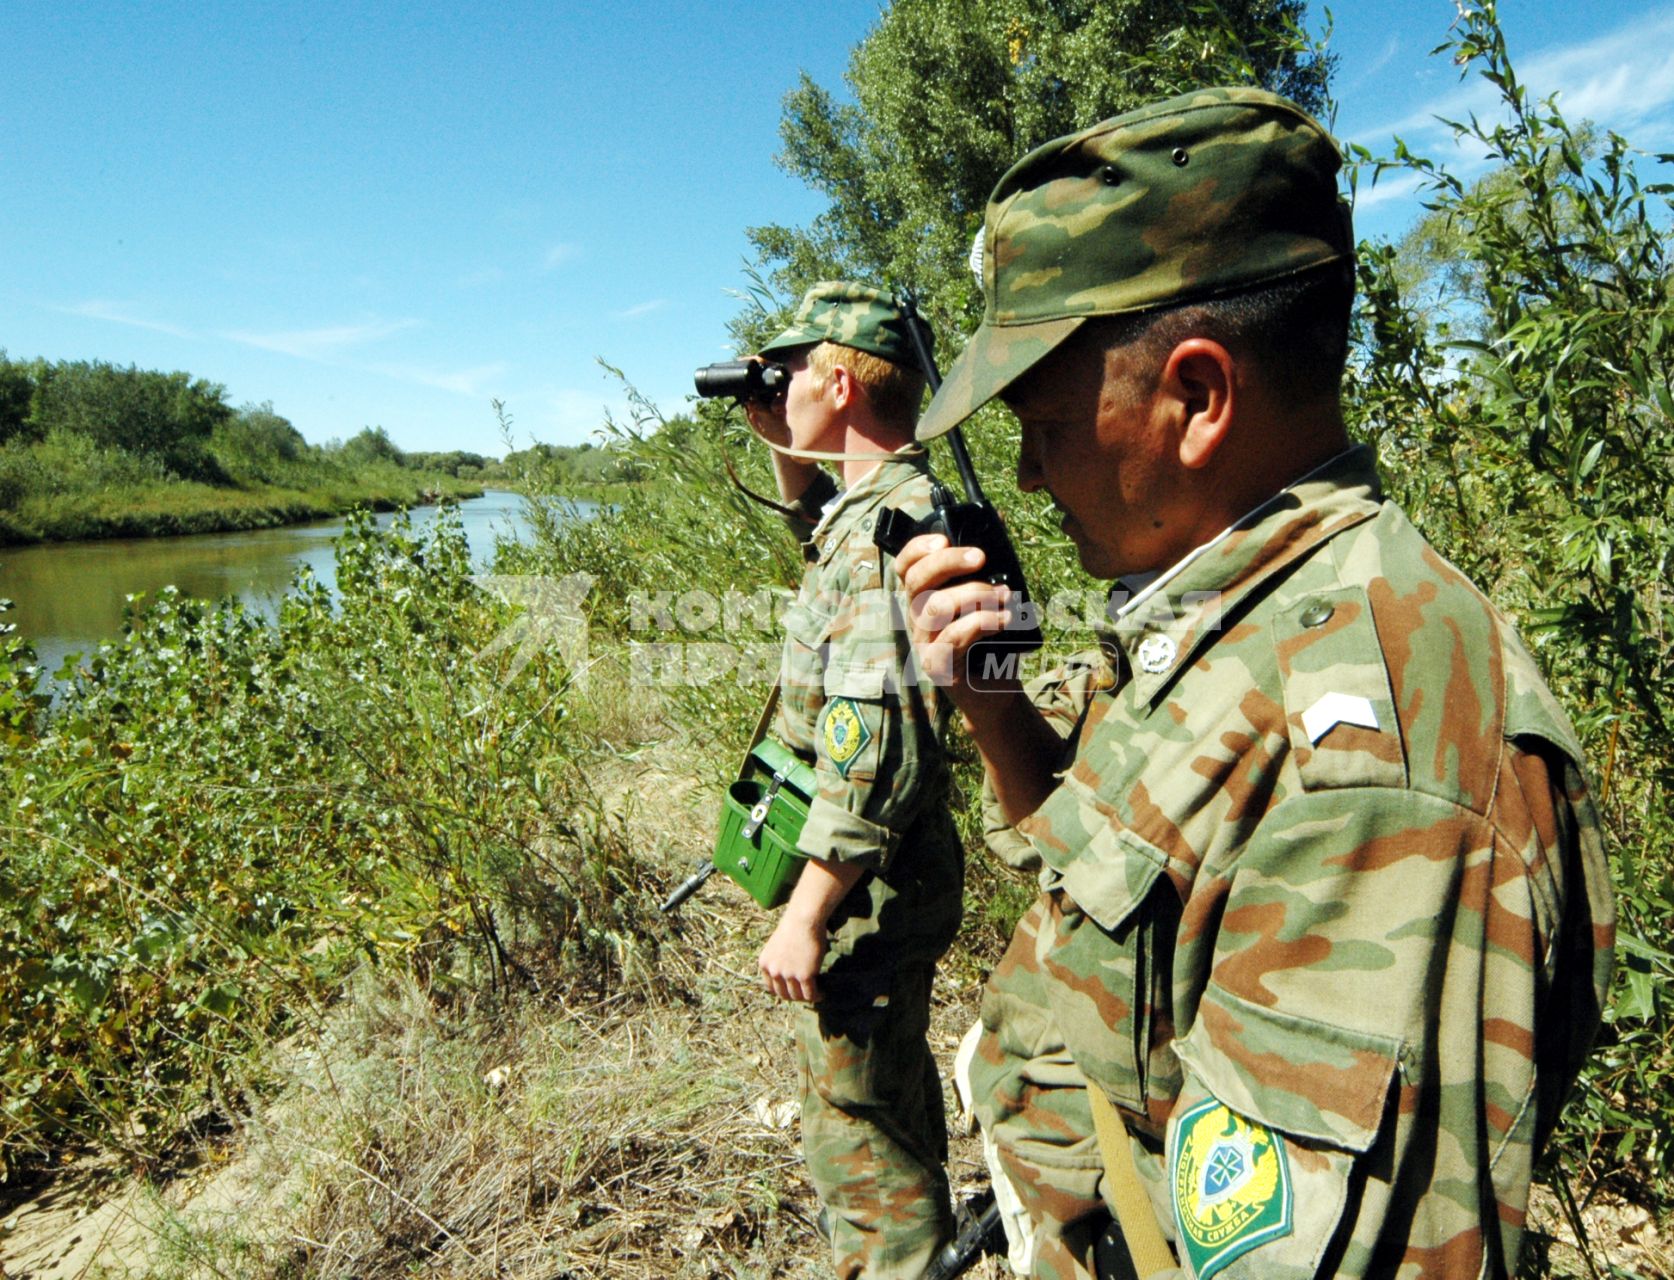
(742, 380)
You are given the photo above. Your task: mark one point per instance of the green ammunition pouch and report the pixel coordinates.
(762, 817)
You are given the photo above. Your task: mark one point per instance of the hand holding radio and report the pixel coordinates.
(993, 661)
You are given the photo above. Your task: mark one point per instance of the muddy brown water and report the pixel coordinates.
(68, 597)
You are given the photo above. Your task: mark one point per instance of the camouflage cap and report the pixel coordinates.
(1200, 195)
(852, 314)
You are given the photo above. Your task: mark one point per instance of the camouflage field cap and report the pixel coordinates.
(852, 314)
(1204, 194)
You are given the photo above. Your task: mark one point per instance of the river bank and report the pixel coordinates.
(187, 507)
(71, 597)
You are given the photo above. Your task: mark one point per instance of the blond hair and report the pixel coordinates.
(894, 390)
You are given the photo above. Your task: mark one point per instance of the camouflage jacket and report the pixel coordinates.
(1327, 910)
(853, 705)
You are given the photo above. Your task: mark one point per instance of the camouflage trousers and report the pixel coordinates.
(873, 1130)
(1031, 1100)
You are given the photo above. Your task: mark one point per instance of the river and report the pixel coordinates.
(69, 596)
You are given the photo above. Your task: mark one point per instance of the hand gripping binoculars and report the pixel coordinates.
(742, 380)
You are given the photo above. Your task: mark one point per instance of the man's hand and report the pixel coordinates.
(767, 419)
(790, 962)
(947, 620)
(1019, 748)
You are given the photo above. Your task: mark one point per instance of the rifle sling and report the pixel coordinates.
(762, 723)
(1140, 1232)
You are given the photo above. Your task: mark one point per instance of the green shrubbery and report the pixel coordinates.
(91, 450)
(223, 817)
(1522, 412)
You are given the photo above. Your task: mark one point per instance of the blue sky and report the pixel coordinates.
(388, 214)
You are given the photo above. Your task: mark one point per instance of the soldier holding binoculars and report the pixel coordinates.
(879, 898)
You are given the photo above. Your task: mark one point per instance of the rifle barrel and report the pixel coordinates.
(688, 887)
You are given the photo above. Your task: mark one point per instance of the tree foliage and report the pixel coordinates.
(167, 415)
(948, 94)
(1529, 427)
(566, 466)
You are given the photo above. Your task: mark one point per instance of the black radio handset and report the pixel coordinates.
(971, 523)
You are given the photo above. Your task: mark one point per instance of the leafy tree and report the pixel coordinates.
(258, 446)
(948, 94)
(370, 444)
(561, 466)
(456, 462)
(168, 416)
(1539, 453)
(273, 431)
(17, 388)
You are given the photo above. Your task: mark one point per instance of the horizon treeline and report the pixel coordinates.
(183, 424)
(93, 449)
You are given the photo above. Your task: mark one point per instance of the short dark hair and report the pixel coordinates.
(1295, 331)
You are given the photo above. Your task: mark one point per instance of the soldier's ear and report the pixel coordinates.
(841, 386)
(1200, 380)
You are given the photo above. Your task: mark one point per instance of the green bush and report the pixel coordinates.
(1522, 413)
(222, 818)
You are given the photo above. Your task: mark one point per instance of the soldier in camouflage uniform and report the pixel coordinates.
(1325, 911)
(880, 899)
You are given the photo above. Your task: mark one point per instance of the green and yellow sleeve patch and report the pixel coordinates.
(1231, 1187)
(844, 734)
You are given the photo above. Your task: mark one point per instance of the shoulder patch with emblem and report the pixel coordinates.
(845, 733)
(1231, 1186)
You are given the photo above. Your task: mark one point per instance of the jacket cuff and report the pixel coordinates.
(811, 504)
(833, 834)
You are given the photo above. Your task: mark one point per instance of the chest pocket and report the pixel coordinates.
(1108, 952)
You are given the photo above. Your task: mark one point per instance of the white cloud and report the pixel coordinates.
(640, 309)
(1619, 79)
(558, 255)
(466, 382)
(1391, 47)
(324, 343)
(1391, 190)
(121, 313)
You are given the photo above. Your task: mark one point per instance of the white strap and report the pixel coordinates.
(816, 455)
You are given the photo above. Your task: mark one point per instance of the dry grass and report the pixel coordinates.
(613, 1140)
(632, 1137)
(646, 1128)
